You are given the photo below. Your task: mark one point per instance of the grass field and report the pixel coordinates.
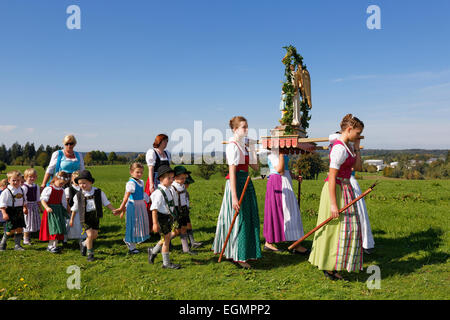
(409, 219)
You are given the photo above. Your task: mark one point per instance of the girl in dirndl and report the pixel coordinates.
(282, 218)
(338, 245)
(53, 224)
(135, 199)
(33, 218)
(244, 242)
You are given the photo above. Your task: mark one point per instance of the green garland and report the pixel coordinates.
(295, 59)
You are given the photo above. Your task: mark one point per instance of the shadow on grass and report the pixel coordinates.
(390, 253)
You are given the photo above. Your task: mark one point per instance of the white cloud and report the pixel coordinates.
(7, 128)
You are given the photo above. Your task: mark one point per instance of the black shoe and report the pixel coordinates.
(305, 253)
(134, 251)
(368, 251)
(151, 255)
(195, 245)
(3, 247)
(329, 276)
(83, 249)
(90, 257)
(171, 266)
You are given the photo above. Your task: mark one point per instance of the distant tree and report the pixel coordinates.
(223, 169)
(29, 151)
(112, 156)
(88, 159)
(19, 161)
(16, 151)
(141, 159)
(43, 159)
(4, 154)
(2, 166)
(207, 170)
(309, 165)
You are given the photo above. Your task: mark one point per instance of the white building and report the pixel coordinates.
(393, 164)
(377, 163)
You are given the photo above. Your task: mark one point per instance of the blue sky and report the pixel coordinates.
(137, 68)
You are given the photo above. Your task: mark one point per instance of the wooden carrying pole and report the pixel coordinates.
(234, 218)
(300, 140)
(296, 243)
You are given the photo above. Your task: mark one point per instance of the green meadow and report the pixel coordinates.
(409, 219)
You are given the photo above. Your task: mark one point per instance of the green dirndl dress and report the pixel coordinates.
(244, 241)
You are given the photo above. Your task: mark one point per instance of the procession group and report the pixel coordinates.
(72, 207)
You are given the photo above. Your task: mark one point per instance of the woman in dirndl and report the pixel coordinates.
(244, 241)
(66, 160)
(338, 245)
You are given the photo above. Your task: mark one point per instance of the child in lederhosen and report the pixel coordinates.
(13, 207)
(182, 206)
(163, 216)
(89, 203)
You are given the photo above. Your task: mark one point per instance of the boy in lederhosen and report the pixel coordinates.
(164, 216)
(13, 207)
(89, 203)
(182, 206)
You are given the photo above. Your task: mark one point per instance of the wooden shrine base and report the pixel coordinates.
(288, 144)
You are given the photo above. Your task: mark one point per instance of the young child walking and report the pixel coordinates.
(338, 245)
(75, 231)
(33, 195)
(53, 224)
(163, 216)
(135, 199)
(3, 185)
(190, 232)
(88, 203)
(182, 207)
(13, 207)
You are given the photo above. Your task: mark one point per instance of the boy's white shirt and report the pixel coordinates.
(45, 195)
(90, 203)
(158, 201)
(183, 198)
(6, 199)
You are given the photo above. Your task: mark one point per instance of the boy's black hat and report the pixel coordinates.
(189, 180)
(163, 169)
(84, 174)
(180, 170)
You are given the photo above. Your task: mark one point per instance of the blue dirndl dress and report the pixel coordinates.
(137, 223)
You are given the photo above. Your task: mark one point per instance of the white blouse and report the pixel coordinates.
(6, 199)
(150, 157)
(90, 203)
(236, 152)
(158, 202)
(131, 188)
(338, 155)
(45, 195)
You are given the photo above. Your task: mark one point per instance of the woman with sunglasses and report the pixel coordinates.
(66, 160)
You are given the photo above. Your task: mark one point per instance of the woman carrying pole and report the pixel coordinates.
(338, 245)
(244, 243)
